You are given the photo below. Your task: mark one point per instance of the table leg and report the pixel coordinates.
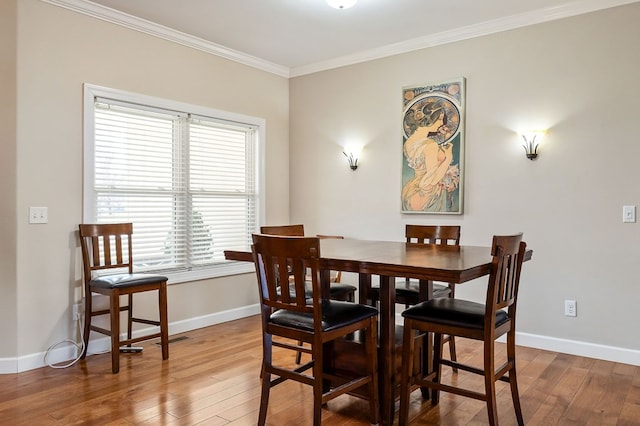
(325, 281)
(426, 293)
(364, 284)
(387, 359)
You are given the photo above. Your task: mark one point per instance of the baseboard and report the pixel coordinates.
(103, 344)
(575, 347)
(572, 347)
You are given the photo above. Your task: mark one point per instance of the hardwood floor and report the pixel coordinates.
(212, 378)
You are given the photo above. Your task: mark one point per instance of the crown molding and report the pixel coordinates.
(578, 7)
(137, 24)
(463, 33)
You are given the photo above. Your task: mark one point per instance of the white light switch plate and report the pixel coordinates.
(629, 214)
(38, 215)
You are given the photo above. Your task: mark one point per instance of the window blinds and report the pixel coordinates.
(187, 182)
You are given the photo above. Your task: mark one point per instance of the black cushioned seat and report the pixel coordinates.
(335, 314)
(455, 312)
(337, 291)
(125, 280)
(341, 291)
(404, 291)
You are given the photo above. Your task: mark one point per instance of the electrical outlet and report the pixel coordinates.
(570, 308)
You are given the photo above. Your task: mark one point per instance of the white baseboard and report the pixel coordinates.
(572, 347)
(575, 347)
(103, 344)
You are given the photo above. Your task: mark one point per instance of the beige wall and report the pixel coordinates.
(575, 77)
(8, 313)
(58, 51)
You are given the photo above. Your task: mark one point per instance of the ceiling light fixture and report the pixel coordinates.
(341, 4)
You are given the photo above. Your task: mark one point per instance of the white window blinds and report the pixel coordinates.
(186, 181)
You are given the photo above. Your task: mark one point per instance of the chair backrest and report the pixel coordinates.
(106, 246)
(433, 234)
(286, 230)
(283, 264)
(336, 276)
(502, 292)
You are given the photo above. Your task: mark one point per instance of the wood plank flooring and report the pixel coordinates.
(212, 378)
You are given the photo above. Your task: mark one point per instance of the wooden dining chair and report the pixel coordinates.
(107, 258)
(287, 313)
(410, 292)
(337, 289)
(485, 322)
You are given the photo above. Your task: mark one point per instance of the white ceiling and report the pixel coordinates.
(295, 37)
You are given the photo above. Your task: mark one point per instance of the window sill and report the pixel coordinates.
(224, 270)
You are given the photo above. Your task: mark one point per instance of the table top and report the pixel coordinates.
(454, 264)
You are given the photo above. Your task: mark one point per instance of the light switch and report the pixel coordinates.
(629, 214)
(38, 215)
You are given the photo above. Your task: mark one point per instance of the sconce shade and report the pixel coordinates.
(352, 159)
(530, 142)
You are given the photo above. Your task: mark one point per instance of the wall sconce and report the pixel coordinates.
(530, 142)
(352, 159)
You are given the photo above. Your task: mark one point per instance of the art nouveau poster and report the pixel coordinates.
(433, 148)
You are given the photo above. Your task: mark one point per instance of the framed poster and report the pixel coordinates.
(433, 147)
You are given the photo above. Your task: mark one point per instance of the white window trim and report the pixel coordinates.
(92, 91)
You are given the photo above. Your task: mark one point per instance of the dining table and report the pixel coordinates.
(389, 260)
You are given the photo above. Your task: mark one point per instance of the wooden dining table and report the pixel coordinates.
(389, 260)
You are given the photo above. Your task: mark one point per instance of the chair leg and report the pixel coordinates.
(490, 383)
(452, 351)
(265, 374)
(115, 331)
(427, 361)
(437, 366)
(164, 321)
(318, 385)
(130, 317)
(372, 348)
(299, 354)
(408, 347)
(452, 342)
(513, 380)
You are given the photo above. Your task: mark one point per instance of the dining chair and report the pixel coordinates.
(287, 313)
(408, 291)
(107, 259)
(337, 290)
(485, 322)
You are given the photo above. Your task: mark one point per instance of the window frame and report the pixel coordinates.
(91, 92)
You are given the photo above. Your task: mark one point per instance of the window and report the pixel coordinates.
(186, 176)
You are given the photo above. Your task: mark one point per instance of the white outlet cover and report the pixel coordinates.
(628, 214)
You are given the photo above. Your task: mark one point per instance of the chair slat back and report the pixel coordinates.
(508, 254)
(282, 266)
(287, 230)
(106, 246)
(433, 234)
(336, 276)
